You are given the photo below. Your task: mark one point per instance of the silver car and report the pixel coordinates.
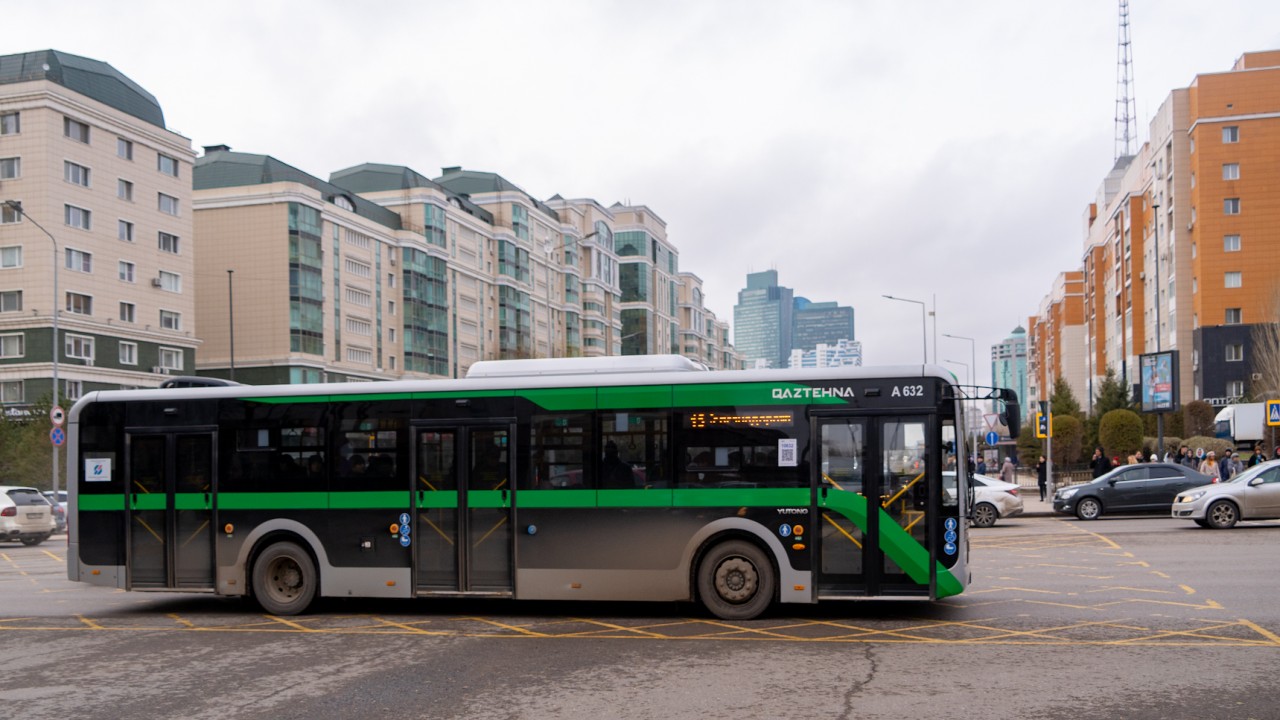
(1251, 495)
(992, 499)
(25, 515)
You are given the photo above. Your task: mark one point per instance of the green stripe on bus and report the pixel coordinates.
(556, 499)
(149, 501)
(561, 399)
(273, 501)
(745, 497)
(638, 397)
(100, 502)
(654, 497)
(748, 394)
(436, 499)
(372, 500)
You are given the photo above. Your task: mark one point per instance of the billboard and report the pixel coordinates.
(1159, 386)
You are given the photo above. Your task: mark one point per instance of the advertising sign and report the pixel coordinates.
(1159, 385)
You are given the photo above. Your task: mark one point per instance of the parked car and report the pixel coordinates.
(1252, 495)
(1145, 487)
(992, 499)
(59, 502)
(25, 515)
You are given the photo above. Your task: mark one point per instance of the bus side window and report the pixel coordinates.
(634, 450)
(558, 446)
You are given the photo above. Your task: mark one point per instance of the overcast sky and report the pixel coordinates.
(920, 149)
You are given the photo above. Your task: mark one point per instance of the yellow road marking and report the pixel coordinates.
(1261, 631)
(290, 623)
(90, 623)
(55, 557)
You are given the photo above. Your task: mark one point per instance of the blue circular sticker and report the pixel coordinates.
(949, 536)
(949, 548)
(404, 541)
(404, 530)
(785, 531)
(404, 519)
(949, 523)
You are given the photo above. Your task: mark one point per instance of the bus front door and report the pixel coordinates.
(462, 497)
(872, 492)
(170, 479)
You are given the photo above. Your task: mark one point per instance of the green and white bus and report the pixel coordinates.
(636, 478)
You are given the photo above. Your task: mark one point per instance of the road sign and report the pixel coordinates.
(993, 437)
(1043, 425)
(57, 437)
(57, 415)
(990, 419)
(1273, 412)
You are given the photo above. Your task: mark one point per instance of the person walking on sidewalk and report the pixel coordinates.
(1101, 465)
(1006, 470)
(1042, 476)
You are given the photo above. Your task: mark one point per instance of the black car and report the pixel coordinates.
(1146, 487)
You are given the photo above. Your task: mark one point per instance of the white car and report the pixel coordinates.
(992, 499)
(25, 515)
(1251, 495)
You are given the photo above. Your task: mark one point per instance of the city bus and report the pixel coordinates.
(623, 478)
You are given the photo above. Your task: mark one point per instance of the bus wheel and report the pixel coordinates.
(736, 581)
(284, 579)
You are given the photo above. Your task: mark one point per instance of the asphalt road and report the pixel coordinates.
(1118, 618)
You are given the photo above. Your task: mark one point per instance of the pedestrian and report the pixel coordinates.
(1185, 457)
(1258, 457)
(1231, 465)
(1006, 470)
(1209, 466)
(982, 465)
(1042, 476)
(1101, 466)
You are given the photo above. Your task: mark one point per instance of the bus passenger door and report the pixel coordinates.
(170, 478)
(462, 496)
(873, 500)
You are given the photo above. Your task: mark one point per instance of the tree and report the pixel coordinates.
(1120, 433)
(1068, 433)
(1198, 418)
(1030, 447)
(1063, 401)
(26, 455)
(1112, 395)
(1266, 352)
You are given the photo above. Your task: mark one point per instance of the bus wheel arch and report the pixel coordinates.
(285, 576)
(735, 577)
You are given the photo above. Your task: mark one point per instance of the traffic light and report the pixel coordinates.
(1042, 424)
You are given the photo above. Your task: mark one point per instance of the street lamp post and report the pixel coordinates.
(1155, 228)
(17, 208)
(973, 355)
(924, 327)
(231, 323)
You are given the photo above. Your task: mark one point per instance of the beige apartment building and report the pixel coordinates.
(88, 167)
(702, 336)
(1181, 244)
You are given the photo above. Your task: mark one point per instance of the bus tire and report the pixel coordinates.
(736, 580)
(284, 579)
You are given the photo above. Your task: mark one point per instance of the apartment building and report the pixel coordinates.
(1181, 249)
(1056, 340)
(702, 336)
(649, 268)
(96, 226)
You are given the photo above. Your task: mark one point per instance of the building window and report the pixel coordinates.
(77, 217)
(79, 347)
(1231, 206)
(171, 358)
(171, 282)
(167, 165)
(10, 300)
(8, 215)
(78, 304)
(1231, 134)
(359, 355)
(1235, 353)
(170, 320)
(79, 260)
(124, 148)
(75, 174)
(1231, 243)
(126, 271)
(128, 353)
(124, 230)
(11, 391)
(72, 389)
(124, 190)
(168, 204)
(359, 269)
(1233, 279)
(128, 312)
(9, 124)
(11, 257)
(10, 168)
(169, 243)
(1235, 388)
(1231, 171)
(75, 130)
(357, 326)
(391, 336)
(358, 297)
(1234, 316)
(11, 346)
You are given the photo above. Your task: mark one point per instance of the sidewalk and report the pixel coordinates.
(1032, 506)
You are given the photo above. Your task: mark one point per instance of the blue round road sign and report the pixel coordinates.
(993, 437)
(57, 436)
